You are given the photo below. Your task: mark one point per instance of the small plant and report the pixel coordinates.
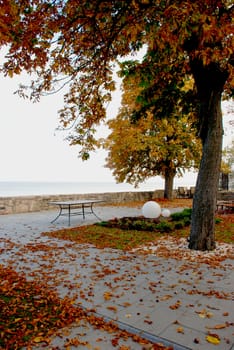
(140, 225)
(179, 224)
(103, 223)
(186, 213)
(164, 226)
(187, 221)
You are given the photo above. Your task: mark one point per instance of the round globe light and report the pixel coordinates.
(151, 210)
(166, 213)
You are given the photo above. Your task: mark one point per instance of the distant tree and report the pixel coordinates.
(77, 43)
(150, 146)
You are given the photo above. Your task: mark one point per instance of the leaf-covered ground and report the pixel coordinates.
(31, 312)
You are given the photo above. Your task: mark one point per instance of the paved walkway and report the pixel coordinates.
(174, 302)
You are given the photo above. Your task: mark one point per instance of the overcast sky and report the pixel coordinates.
(32, 149)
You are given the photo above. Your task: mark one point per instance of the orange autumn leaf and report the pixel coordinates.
(176, 305)
(112, 308)
(180, 330)
(107, 295)
(218, 326)
(204, 313)
(126, 304)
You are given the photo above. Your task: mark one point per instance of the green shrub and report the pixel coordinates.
(139, 225)
(178, 216)
(103, 223)
(187, 221)
(164, 226)
(150, 226)
(179, 224)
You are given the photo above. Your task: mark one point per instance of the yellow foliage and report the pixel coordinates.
(213, 339)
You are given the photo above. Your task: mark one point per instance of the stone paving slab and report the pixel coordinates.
(173, 301)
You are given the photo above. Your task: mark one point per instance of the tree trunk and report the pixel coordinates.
(209, 81)
(169, 180)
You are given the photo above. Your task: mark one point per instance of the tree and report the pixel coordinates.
(150, 146)
(76, 43)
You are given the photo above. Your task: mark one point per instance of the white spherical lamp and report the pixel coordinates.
(166, 213)
(151, 210)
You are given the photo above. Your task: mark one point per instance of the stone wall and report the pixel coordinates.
(25, 204)
(12, 205)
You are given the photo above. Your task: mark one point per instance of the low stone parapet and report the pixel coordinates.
(25, 204)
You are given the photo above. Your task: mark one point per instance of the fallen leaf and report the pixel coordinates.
(176, 305)
(213, 339)
(218, 326)
(38, 339)
(112, 308)
(166, 297)
(226, 314)
(180, 330)
(148, 321)
(126, 304)
(204, 313)
(115, 342)
(107, 295)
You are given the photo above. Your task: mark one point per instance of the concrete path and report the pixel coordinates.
(164, 300)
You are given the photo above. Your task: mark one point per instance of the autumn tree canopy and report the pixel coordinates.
(164, 143)
(76, 44)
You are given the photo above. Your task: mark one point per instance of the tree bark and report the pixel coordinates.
(210, 82)
(169, 180)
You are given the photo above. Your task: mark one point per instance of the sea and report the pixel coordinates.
(33, 188)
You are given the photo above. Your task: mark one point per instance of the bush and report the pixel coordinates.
(187, 221)
(164, 226)
(186, 213)
(103, 223)
(179, 224)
